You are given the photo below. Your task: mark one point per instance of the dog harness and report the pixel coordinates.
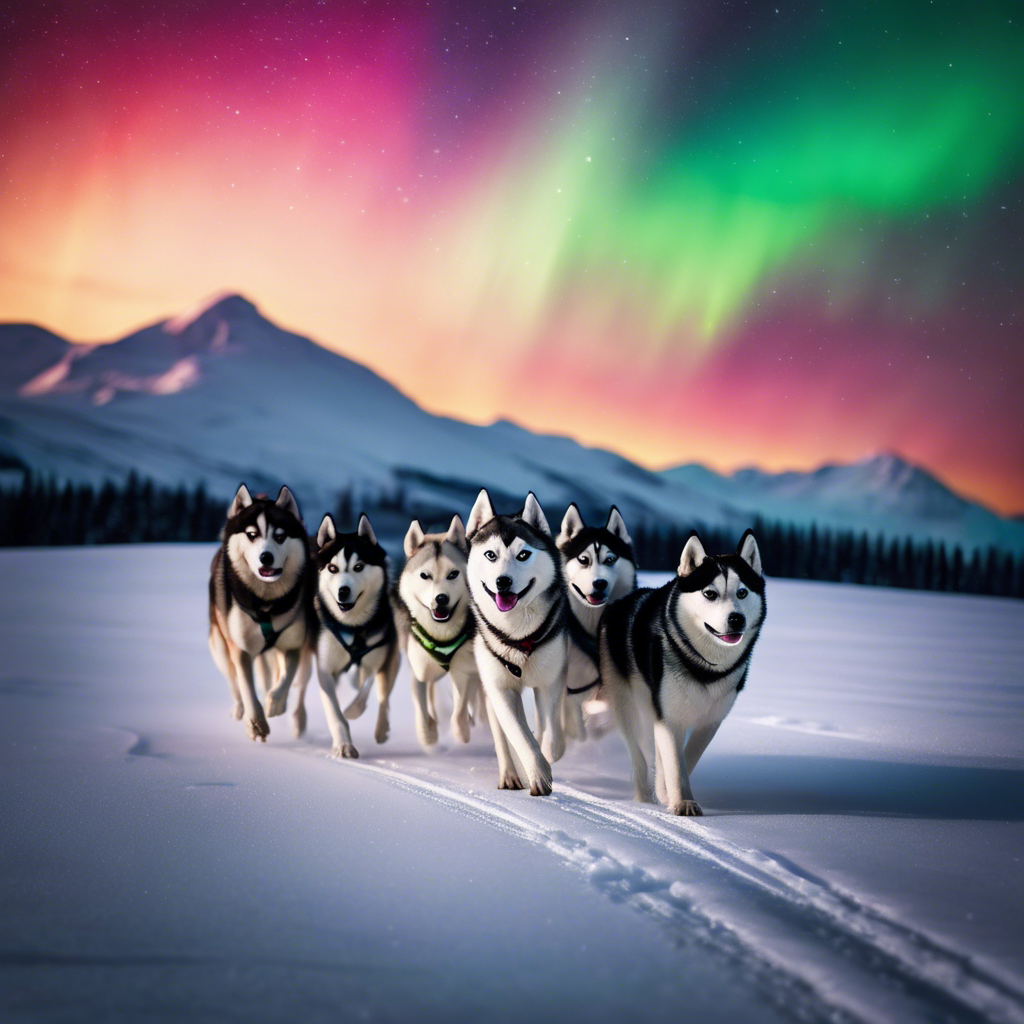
(527, 644)
(442, 653)
(355, 641)
(588, 645)
(264, 616)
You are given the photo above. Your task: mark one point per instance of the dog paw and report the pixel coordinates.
(687, 808)
(277, 704)
(237, 711)
(383, 730)
(430, 731)
(542, 787)
(643, 795)
(460, 728)
(510, 780)
(257, 727)
(344, 750)
(355, 709)
(299, 720)
(553, 749)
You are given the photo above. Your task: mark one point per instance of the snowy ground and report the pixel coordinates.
(860, 857)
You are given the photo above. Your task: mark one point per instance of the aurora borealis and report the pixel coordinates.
(733, 233)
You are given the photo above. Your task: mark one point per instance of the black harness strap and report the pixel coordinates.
(263, 615)
(441, 651)
(527, 644)
(357, 646)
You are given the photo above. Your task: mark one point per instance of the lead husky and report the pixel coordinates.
(519, 602)
(356, 627)
(599, 568)
(437, 625)
(680, 655)
(260, 590)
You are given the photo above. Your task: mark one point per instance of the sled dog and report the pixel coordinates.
(436, 626)
(355, 627)
(260, 592)
(599, 568)
(677, 657)
(520, 606)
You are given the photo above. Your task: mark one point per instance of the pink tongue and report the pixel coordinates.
(506, 602)
(731, 638)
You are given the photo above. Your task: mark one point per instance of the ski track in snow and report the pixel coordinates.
(869, 965)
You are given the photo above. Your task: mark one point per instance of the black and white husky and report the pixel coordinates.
(599, 568)
(260, 592)
(677, 657)
(519, 601)
(356, 627)
(436, 624)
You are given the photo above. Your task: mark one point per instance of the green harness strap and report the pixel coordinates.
(441, 653)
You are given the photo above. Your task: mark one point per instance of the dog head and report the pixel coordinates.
(513, 564)
(351, 571)
(598, 561)
(266, 542)
(720, 602)
(433, 583)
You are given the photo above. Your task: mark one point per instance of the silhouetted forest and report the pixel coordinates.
(43, 513)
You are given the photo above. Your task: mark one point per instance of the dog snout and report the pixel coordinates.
(266, 558)
(504, 582)
(441, 600)
(343, 593)
(737, 621)
(600, 586)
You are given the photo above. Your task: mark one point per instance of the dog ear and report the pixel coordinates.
(364, 529)
(286, 500)
(534, 516)
(457, 535)
(413, 538)
(572, 523)
(242, 499)
(327, 532)
(693, 554)
(747, 550)
(616, 526)
(481, 513)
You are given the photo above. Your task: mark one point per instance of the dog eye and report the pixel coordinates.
(279, 536)
(453, 574)
(424, 575)
(358, 567)
(332, 567)
(611, 559)
(742, 593)
(523, 555)
(711, 595)
(490, 556)
(584, 560)
(251, 534)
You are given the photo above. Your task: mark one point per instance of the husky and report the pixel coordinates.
(260, 605)
(520, 605)
(355, 627)
(599, 568)
(437, 626)
(678, 656)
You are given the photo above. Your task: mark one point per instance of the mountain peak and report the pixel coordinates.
(220, 306)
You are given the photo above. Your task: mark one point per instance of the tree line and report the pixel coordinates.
(43, 513)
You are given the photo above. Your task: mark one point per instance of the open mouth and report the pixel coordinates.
(506, 600)
(726, 638)
(269, 572)
(346, 606)
(443, 614)
(595, 598)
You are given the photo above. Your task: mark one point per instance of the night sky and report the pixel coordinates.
(729, 232)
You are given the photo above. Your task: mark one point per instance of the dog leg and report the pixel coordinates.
(669, 741)
(626, 716)
(572, 717)
(660, 790)
(508, 774)
(255, 721)
(551, 699)
(698, 743)
(277, 698)
(462, 688)
(426, 724)
(221, 658)
(385, 684)
(302, 681)
(336, 722)
(363, 682)
(540, 713)
(507, 704)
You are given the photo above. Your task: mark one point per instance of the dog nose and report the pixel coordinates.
(266, 558)
(441, 600)
(600, 586)
(737, 621)
(343, 592)
(504, 582)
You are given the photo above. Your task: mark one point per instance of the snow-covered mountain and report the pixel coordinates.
(221, 394)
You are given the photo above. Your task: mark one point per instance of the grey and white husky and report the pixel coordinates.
(355, 627)
(436, 625)
(260, 593)
(677, 657)
(519, 602)
(599, 568)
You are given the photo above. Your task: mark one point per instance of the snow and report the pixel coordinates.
(859, 857)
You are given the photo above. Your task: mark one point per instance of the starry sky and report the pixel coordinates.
(736, 233)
